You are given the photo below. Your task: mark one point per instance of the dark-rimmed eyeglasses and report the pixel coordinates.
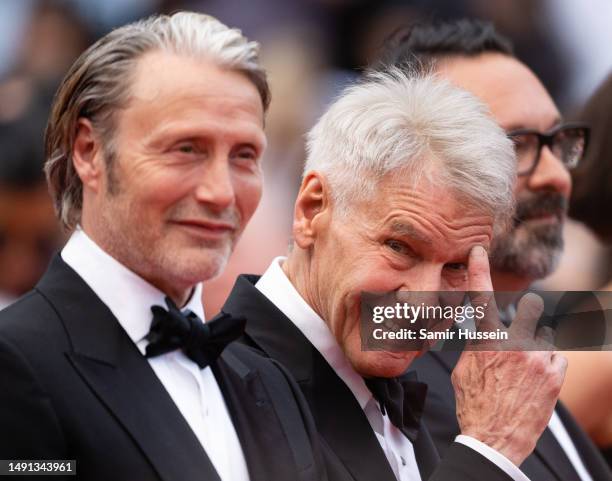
(567, 142)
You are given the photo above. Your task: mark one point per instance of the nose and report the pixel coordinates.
(550, 174)
(215, 187)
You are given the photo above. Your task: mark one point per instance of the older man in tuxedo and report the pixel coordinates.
(406, 180)
(472, 55)
(154, 150)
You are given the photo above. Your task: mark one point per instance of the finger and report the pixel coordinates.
(559, 363)
(545, 338)
(479, 272)
(481, 290)
(528, 312)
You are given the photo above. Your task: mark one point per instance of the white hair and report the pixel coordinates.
(394, 121)
(98, 85)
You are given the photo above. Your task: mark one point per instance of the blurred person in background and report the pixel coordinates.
(472, 55)
(29, 231)
(587, 390)
(52, 38)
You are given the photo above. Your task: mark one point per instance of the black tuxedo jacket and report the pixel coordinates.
(74, 386)
(548, 462)
(350, 447)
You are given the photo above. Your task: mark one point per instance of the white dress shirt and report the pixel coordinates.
(194, 391)
(398, 449)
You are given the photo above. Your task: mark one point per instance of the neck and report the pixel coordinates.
(298, 270)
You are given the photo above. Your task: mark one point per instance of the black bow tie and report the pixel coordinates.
(402, 399)
(201, 342)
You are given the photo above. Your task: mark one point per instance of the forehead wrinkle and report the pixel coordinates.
(406, 229)
(421, 223)
(180, 113)
(231, 106)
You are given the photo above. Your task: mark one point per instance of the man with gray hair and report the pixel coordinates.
(473, 55)
(406, 180)
(154, 149)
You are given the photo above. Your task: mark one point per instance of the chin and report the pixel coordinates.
(196, 266)
(383, 363)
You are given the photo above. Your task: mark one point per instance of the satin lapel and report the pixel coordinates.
(591, 456)
(552, 455)
(426, 453)
(343, 424)
(448, 359)
(264, 444)
(338, 416)
(123, 380)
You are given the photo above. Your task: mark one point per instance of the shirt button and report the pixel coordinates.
(403, 460)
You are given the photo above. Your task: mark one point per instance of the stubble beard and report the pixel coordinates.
(532, 250)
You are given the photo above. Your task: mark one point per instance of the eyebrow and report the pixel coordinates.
(408, 230)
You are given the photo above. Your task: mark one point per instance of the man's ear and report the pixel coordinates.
(87, 155)
(312, 209)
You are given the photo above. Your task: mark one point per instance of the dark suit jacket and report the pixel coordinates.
(547, 463)
(350, 447)
(74, 386)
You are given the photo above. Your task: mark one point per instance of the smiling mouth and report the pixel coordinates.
(206, 229)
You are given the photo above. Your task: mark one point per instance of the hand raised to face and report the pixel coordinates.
(506, 398)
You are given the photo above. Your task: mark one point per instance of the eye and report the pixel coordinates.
(248, 153)
(246, 156)
(456, 266)
(398, 246)
(185, 146)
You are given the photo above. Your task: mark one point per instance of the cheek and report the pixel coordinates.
(248, 191)
(520, 187)
(455, 282)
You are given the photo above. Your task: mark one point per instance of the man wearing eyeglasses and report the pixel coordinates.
(475, 57)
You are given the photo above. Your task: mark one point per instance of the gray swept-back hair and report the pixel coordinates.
(417, 124)
(98, 85)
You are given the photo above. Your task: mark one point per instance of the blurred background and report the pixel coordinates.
(311, 49)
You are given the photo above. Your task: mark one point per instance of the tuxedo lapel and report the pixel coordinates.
(425, 452)
(590, 455)
(552, 455)
(338, 416)
(114, 369)
(448, 359)
(262, 430)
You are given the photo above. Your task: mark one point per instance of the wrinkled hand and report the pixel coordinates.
(506, 398)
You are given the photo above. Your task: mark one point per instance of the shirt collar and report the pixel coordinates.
(277, 287)
(128, 296)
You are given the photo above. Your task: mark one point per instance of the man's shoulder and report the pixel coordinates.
(250, 358)
(32, 326)
(30, 312)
